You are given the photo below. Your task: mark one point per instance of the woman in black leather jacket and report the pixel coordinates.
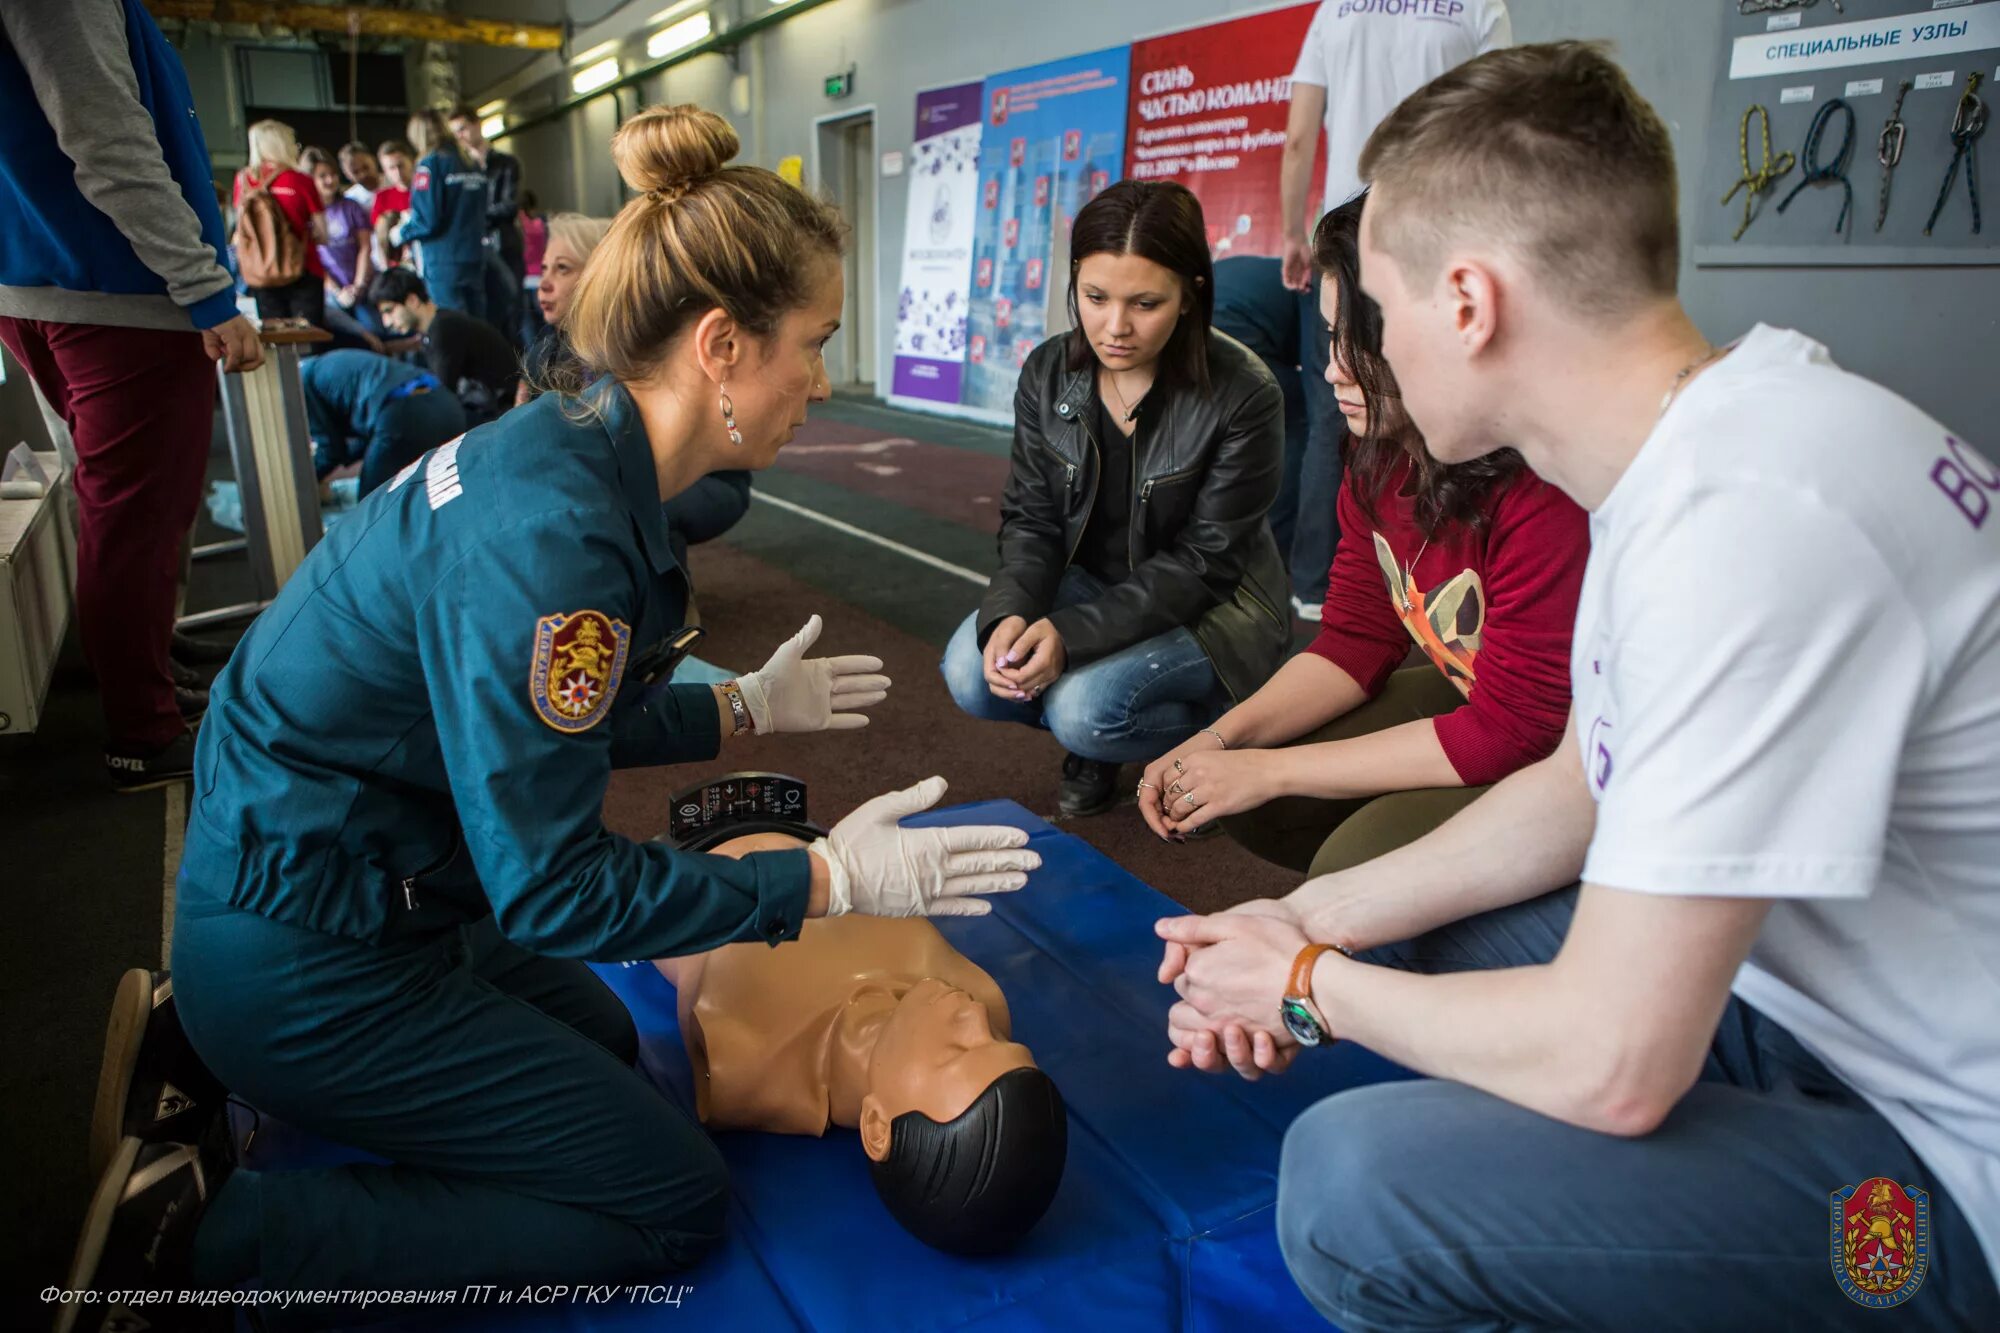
(1139, 588)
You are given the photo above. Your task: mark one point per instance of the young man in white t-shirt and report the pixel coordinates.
(1746, 1074)
(1359, 59)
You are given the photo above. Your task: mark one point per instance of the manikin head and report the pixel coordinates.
(965, 1136)
(1141, 285)
(1523, 208)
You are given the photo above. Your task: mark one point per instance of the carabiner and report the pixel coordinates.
(1889, 148)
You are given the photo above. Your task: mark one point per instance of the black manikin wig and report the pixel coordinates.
(977, 1184)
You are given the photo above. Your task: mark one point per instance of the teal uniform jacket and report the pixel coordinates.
(448, 199)
(422, 726)
(345, 391)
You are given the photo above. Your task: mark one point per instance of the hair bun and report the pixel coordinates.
(669, 148)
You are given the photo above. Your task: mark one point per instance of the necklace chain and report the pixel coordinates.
(1131, 410)
(1680, 380)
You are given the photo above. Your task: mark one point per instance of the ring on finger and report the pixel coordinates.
(1175, 789)
(1146, 786)
(1179, 767)
(1193, 804)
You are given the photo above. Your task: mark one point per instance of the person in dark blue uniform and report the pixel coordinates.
(396, 857)
(447, 217)
(368, 408)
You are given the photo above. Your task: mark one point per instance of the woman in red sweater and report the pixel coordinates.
(1341, 757)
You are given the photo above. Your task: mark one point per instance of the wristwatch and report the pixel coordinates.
(1301, 1016)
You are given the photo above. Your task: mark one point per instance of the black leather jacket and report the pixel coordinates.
(1204, 479)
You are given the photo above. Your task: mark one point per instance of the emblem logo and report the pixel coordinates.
(422, 180)
(579, 660)
(1880, 1241)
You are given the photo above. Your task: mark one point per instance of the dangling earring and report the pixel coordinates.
(729, 416)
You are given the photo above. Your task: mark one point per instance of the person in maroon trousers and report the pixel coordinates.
(114, 298)
(1341, 757)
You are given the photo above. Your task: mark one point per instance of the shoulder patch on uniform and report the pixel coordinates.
(422, 180)
(441, 476)
(579, 660)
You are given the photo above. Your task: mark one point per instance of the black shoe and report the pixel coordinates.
(131, 772)
(139, 1236)
(200, 652)
(152, 1086)
(192, 703)
(184, 675)
(1089, 786)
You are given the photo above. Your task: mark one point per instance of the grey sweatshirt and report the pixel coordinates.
(77, 60)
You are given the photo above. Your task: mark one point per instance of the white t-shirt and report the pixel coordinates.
(1371, 54)
(1787, 681)
(361, 195)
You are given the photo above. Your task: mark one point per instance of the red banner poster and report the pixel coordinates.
(1208, 109)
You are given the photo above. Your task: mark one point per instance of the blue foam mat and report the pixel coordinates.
(1165, 1216)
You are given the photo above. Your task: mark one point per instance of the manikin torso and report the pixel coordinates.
(780, 1038)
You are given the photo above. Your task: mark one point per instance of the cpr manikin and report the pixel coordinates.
(879, 1025)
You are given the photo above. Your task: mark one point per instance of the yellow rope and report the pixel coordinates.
(1755, 183)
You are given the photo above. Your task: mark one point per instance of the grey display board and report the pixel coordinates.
(1791, 62)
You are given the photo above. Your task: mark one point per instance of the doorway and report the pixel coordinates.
(844, 166)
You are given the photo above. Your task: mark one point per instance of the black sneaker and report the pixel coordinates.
(1089, 786)
(152, 1086)
(142, 772)
(192, 703)
(139, 1236)
(184, 675)
(200, 652)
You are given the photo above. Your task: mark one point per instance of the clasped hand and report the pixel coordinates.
(794, 693)
(1230, 971)
(1023, 660)
(1198, 781)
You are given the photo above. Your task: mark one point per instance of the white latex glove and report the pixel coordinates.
(793, 692)
(881, 869)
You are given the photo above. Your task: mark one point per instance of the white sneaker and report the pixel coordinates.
(1306, 610)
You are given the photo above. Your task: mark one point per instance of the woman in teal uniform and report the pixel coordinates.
(447, 217)
(396, 858)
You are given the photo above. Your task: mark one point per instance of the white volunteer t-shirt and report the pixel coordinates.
(1787, 681)
(1371, 54)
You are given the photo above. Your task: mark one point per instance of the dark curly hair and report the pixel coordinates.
(1444, 494)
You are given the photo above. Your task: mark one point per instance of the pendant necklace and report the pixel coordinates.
(1410, 572)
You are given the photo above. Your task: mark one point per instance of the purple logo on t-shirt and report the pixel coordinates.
(1597, 756)
(1967, 480)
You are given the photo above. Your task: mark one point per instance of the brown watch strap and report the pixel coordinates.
(1301, 983)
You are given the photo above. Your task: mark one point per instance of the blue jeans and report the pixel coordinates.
(458, 285)
(1431, 1205)
(1315, 483)
(1130, 707)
